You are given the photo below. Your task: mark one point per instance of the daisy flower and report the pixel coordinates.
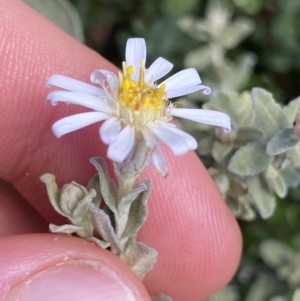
(134, 103)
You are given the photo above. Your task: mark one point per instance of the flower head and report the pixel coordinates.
(133, 103)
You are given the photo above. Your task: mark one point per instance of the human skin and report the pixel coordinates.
(196, 236)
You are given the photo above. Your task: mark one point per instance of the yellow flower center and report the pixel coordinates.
(141, 102)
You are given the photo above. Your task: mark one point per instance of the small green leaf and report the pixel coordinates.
(139, 258)
(262, 196)
(276, 181)
(94, 183)
(53, 192)
(246, 135)
(66, 229)
(293, 155)
(221, 150)
(199, 58)
(102, 225)
(205, 144)
(282, 141)
(246, 211)
(275, 253)
(236, 32)
(290, 175)
(250, 159)
(107, 185)
(138, 210)
(269, 117)
(291, 109)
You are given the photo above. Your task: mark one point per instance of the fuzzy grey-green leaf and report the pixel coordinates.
(102, 225)
(107, 185)
(66, 229)
(94, 183)
(53, 192)
(282, 141)
(276, 181)
(262, 196)
(290, 175)
(221, 150)
(139, 258)
(250, 159)
(291, 109)
(124, 219)
(138, 210)
(269, 117)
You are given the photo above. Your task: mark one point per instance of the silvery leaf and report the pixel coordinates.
(221, 150)
(102, 225)
(139, 258)
(124, 206)
(261, 289)
(250, 159)
(282, 141)
(66, 229)
(291, 109)
(246, 211)
(275, 253)
(53, 192)
(138, 210)
(95, 184)
(107, 185)
(205, 144)
(269, 117)
(83, 205)
(199, 58)
(263, 198)
(236, 32)
(245, 135)
(290, 175)
(276, 182)
(293, 155)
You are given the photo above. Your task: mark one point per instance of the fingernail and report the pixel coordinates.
(73, 281)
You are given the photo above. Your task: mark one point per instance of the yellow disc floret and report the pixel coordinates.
(140, 102)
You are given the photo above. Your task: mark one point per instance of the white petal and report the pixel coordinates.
(184, 91)
(182, 79)
(151, 140)
(100, 76)
(110, 130)
(159, 68)
(189, 140)
(204, 116)
(76, 122)
(72, 84)
(159, 161)
(135, 54)
(85, 100)
(178, 141)
(119, 150)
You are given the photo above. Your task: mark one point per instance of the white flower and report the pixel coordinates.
(134, 103)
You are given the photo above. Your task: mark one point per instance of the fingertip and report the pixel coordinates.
(47, 267)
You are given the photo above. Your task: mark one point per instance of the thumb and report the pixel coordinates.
(52, 267)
